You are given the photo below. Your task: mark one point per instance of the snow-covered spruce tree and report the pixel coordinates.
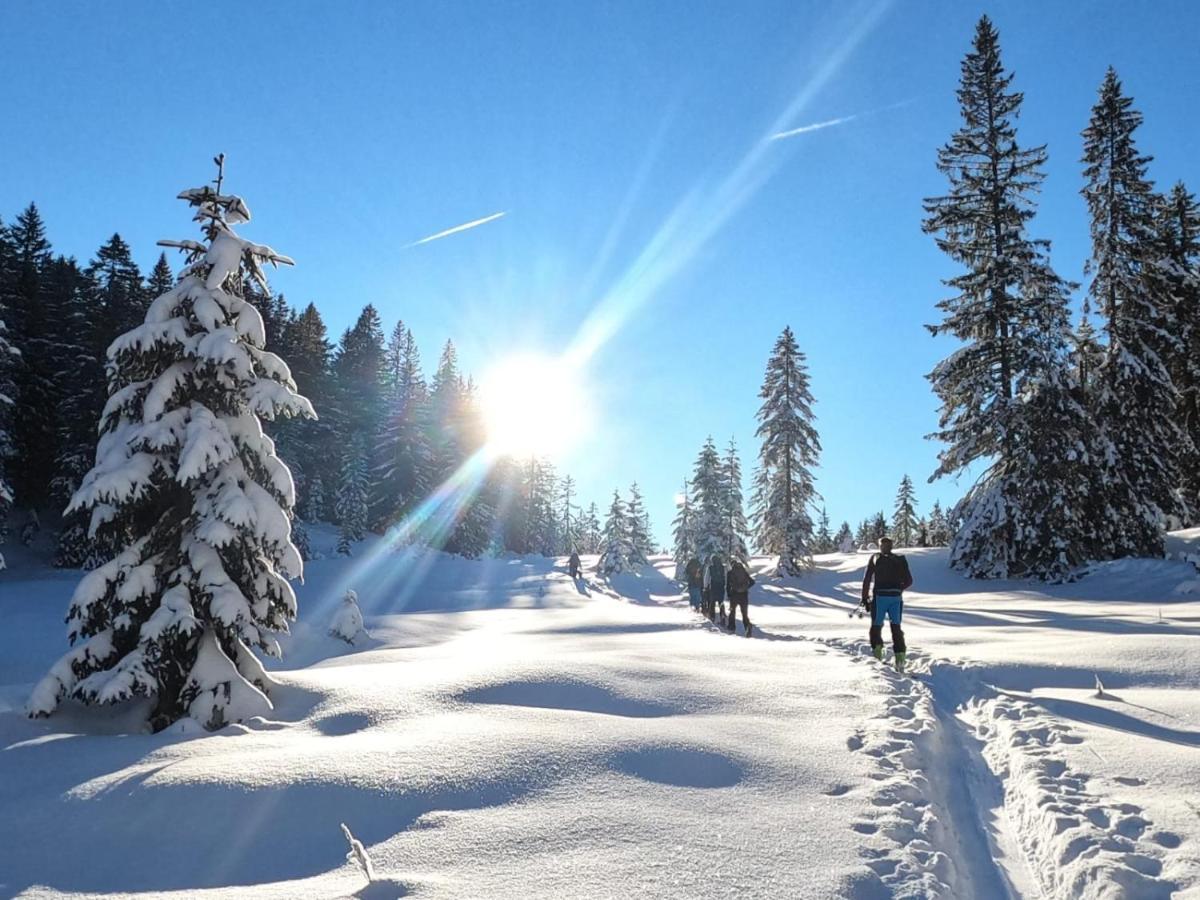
(568, 516)
(784, 489)
(938, 534)
(1028, 514)
(639, 527)
(589, 530)
(1177, 257)
(1140, 441)
(401, 472)
(843, 541)
(862, 537)
(733, 510)
(823, 539)
(351, 502)
(9, 357)
(684, 532)
(617, 553)
(183, 463)
(904, 519)
(708, 501)
(1003, 302)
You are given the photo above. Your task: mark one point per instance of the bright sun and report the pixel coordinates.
(533, 405)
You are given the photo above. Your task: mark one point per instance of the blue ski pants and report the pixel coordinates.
(890, 607)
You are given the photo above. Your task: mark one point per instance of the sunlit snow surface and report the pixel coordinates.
(505, 732)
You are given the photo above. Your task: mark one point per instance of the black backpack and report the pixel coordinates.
(891, 572)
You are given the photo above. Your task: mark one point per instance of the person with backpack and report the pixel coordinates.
(694, 573)
(886, 580)
(738, 585)
(715, 586)
(573, 565)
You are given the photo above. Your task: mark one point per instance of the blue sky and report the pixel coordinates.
(602, 129)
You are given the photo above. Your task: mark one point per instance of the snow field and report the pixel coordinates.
(506, 732)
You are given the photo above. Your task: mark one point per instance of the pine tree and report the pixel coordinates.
(639, 527)
(708, 501)
(862, 537)
(939, 530)
(1140, 441)
(1009, 315)
(401, 473)
(568, 515)
(311, 447)
(36, 316)
(183, 464)
(684, 531)
(1177, 253)
(844, 539)
(351, 501)
(9, 359)
(784, 487)
(590, 530)
(823, 540)
(733, 513)
(119, 301)
(617, 553)
(904, 520)
(879, 528)
(161, 279)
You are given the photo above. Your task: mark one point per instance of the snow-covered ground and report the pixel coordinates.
(505, 732)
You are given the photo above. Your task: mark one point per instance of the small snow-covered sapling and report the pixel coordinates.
(358, 854)
(347, 622)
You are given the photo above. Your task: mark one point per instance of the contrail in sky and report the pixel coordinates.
(829, 123)
(458, 228)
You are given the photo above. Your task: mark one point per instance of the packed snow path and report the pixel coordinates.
(505, 732)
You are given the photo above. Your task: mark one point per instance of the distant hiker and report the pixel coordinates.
(573, 564)
(694, 572)
(715, 587)
(738, 584)
(889, 572)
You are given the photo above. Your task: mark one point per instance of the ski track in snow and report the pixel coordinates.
(942, 806)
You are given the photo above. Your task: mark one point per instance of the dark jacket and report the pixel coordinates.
(695, 574)
(739, 582)
(716, 581)
(889, 572)
(573, 562)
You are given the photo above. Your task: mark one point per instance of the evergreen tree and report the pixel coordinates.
(1177, 253)
(879, 527)
(939, 529)
(843, 541)
(862, 537)
(617, 553)
(351, 502)
(568, 516)
(358, 366)
(161, 279)
(310, 447)
(401, 472)
(685, 531)
(589, 530)
(119, 301)
(904, 520)
(639, 527)
(1140, 441)
(708, 501)
(823, 540)
(1009, 314)
(790, 449)
(36, 316)
(183, 464)
(9, 359)
(733, 514)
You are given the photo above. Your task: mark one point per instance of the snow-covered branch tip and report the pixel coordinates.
(358, 854)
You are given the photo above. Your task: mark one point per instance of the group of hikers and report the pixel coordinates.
(709, 586)
(884, 583)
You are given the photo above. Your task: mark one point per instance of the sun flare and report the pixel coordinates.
(533, 405)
